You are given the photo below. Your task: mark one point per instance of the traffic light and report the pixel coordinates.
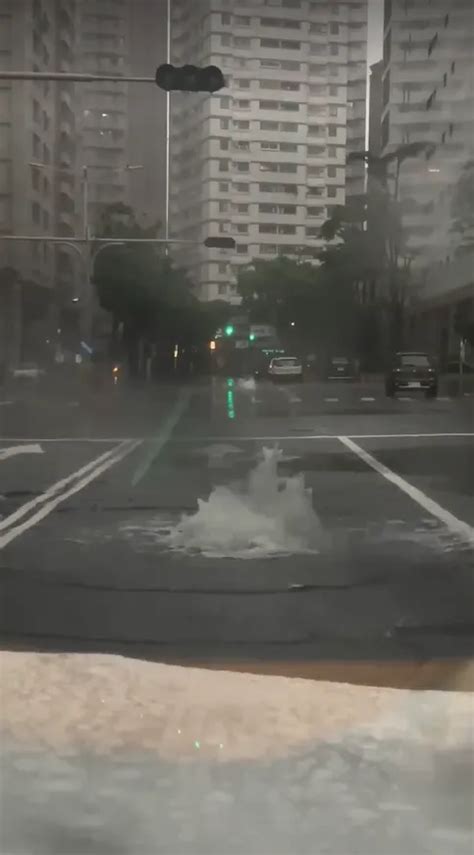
(220, 243)
(189, 78)
(252, 336)
(229, 330)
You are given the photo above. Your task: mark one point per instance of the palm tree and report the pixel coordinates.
(378, 163)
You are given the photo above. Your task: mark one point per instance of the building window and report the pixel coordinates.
(240, 208)
(225, 19)
(242, 166)
(242, 145)
(334, 28)
(316, 150)
(223, 145)
(332, 191)
(315, 171)
(242, 104)
(312, 232)
(241, 124)
(242, 228)
(241, 21)
(315, 211)
(315, 191)
(223, 165)
(222, 289)
(333, 110)
(224, 124)
(225, 103)
(239, 187)
(334, 49)
(242, 83)
(241, 42)
(241, 249)
(332, 172)
(332, 131)
(283, 23)
(223, 206)
(223, 187)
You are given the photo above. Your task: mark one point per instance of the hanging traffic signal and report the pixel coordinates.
(252, 336)
(189, 78)
(229, 330)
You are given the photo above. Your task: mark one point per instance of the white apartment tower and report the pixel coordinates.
(429, 96)
(38, 186)
(264, 160)
(104, 49)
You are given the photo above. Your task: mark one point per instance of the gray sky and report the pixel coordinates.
(375, 30)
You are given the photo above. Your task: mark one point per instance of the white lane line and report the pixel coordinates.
(78, 439)
(20, 449)
(331, 400)
(455, 525)
(6, 403)
(58, 487)
(314, 436)
(443, 399)
(367, 399)
(401, 398)
(123, 451)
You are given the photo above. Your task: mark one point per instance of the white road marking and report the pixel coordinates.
(367, 399)
(6, 403)
(315, 436)
(455, 525)
(20, 449)
(331, 400)
(78, 439)
(401, 398)
(118, 454)
(443, 399)
(59, 486)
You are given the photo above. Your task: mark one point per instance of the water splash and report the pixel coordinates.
(271, 516)
(247, 384)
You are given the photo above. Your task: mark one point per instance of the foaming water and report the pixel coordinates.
(271, 516)
(247, 384)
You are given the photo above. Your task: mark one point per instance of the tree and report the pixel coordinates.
(462, 207)
(377, 164)
(148, 297)
(285, 291)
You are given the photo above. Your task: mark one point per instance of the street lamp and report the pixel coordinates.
(129, 167)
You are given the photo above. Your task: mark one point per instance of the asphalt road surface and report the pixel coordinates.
(89, 492)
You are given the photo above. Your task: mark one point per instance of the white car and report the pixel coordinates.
(283, 367)
(27, 371)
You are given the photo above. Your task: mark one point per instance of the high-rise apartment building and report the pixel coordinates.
(429, 97)
(66, 148)
(38, 190)
(264, 159)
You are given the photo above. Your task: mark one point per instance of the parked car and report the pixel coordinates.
(286, 368)
(27, 372)
(414, 372)
(342, 368)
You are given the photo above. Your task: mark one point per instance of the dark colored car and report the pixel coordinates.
(342, 368)
(414, 372)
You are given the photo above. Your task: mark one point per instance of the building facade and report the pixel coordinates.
(38, 190)
(264, 160)
(66, 149)
(428, 96)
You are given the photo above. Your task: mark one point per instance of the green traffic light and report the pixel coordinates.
(252, 336)
(229, 330)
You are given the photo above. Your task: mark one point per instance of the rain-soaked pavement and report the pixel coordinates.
(358, 547)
